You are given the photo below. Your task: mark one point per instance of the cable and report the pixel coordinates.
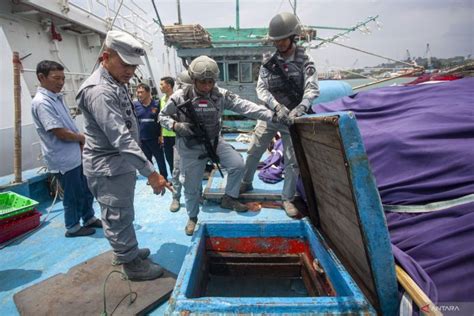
(130, 293)
(369, 53)
(279, 7)
(108, 29)
(157, 15)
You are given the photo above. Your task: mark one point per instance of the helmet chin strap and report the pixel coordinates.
(288, 49)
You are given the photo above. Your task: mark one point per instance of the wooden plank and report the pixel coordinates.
(79, 291)
(337, 212)
(260, 269)
(233, 257)
(321, 283)
(215, 188)
(345, 202)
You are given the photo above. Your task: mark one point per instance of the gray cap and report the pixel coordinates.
(127, 47)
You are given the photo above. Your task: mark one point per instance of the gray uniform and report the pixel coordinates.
(191, 166)
(111, 157)
(273, 90)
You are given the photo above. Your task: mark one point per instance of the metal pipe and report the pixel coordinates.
(241, 41)
(179, 12)
(388, 79)
(237, 15)
(17, 101)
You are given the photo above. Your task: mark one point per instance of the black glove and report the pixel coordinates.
(183, 129)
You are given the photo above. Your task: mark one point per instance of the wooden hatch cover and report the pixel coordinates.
(344, 203)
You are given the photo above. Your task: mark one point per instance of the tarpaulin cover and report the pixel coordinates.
(420, 145)
(419, 139)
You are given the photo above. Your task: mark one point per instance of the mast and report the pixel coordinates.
(179, 12)
(237, 15)
(428, 57)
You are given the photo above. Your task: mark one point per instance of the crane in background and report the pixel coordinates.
(408, 56)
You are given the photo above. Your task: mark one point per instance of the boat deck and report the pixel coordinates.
(46, 252)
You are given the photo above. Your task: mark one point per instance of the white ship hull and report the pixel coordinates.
(26, 28)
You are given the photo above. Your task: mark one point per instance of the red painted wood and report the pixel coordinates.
(269, 245)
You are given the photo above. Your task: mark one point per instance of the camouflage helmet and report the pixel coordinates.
(283, 25)
(183, 77)
(202, 68)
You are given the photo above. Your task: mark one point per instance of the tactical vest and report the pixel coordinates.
(208, 113)
(279, 86)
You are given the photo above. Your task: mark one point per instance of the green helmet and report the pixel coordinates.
(283, 25)
(202, 68)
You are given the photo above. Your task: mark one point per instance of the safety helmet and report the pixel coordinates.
(183, 77)
(283, 25)
(202, 68)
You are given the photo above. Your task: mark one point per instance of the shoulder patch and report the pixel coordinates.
(310, 70)
(266, 56)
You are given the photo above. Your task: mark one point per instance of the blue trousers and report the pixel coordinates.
(78, 199)
(151, 148)
(168, 146)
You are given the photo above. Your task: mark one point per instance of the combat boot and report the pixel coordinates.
(174, 206)
(231, 203)
(142, 270)
(290, 209)
(190, 226)
(245, 187)
(142, 253)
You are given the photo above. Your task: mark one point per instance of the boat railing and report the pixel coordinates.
(72, 83)
(130, 16)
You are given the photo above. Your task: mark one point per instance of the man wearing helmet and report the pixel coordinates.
(288, 84)
(208, 102)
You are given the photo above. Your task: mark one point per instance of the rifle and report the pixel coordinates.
(274, 66)
(201, 134)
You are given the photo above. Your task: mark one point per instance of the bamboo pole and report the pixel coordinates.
(414, 71)
(17, 100)
(426, 306)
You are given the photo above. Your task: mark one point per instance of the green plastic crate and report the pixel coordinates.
(12, 204)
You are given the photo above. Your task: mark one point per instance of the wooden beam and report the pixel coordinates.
(426, 306)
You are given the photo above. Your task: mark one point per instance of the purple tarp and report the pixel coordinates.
(420, 144)
(419, 139)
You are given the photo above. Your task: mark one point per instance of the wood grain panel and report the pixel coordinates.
(332, 190)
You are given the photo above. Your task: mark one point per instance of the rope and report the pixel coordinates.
(108, 29)
(130, 293)
(373, 54)
(157, 15)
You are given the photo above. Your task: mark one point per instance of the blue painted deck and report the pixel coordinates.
(47, 252)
